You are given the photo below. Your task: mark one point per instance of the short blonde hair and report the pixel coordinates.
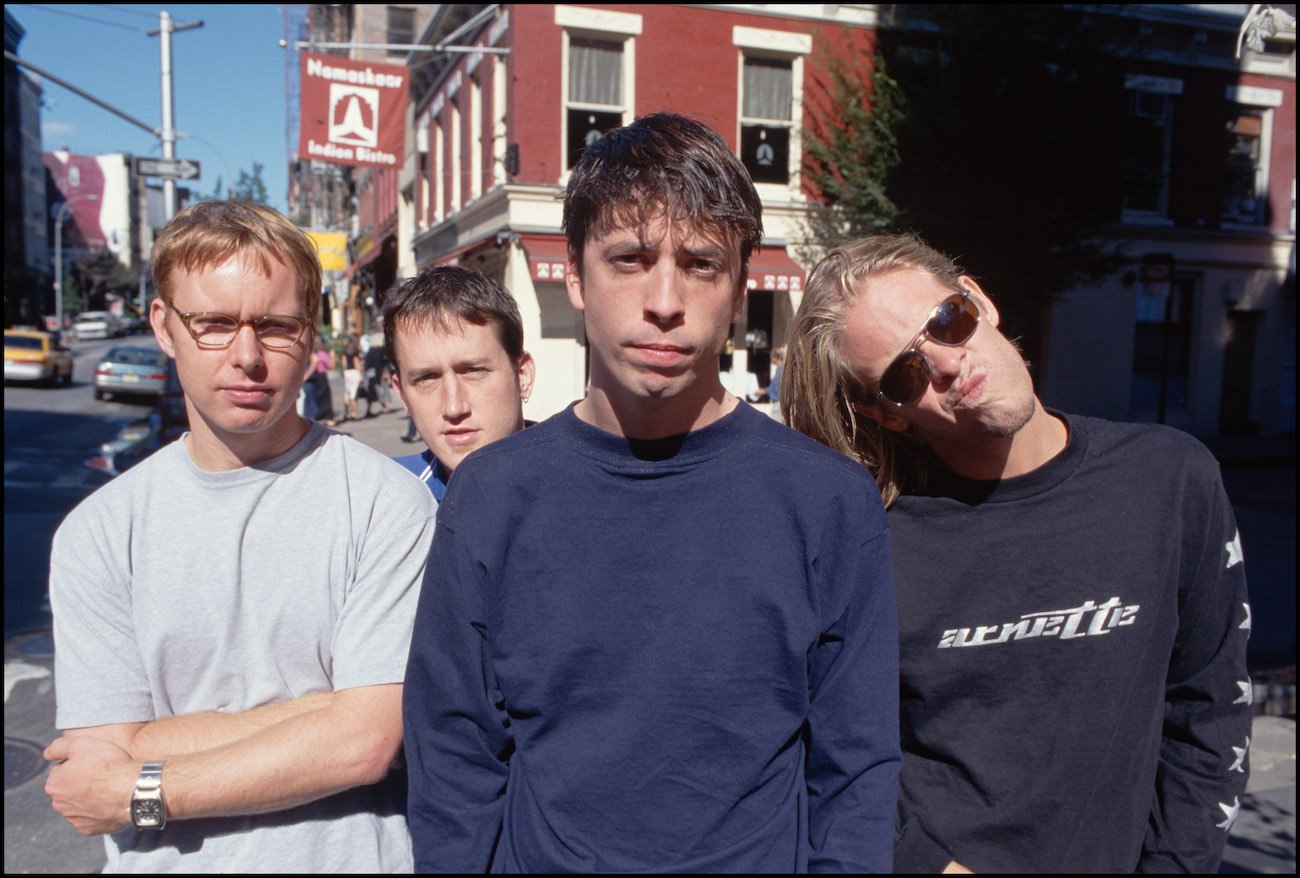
(819, 388)
(210, 233)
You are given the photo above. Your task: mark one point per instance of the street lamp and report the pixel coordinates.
(59, 217)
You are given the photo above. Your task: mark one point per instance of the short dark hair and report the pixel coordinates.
(439, 296)
(662, 162)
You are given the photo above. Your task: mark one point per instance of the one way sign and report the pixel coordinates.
(176, 169)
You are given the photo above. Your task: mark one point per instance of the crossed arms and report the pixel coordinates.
(221, 764)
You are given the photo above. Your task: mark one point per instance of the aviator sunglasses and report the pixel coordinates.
(952, 322)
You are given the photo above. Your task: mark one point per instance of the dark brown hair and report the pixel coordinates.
(436, 297)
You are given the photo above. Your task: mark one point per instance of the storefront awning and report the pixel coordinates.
(772, 269)
(547, 256)
(452, 257)
(370, 256)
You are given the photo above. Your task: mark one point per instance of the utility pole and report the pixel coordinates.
(166, 27)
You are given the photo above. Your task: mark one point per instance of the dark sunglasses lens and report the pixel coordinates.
(954, 320)
(905, 379)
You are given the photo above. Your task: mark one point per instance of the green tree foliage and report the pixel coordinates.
(850, 148)
(993, 131)
(249, 187)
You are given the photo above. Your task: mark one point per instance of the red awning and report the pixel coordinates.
(772, 269)
(547, 256)
(370, 256)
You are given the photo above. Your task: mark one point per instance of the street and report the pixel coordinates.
(49, 434)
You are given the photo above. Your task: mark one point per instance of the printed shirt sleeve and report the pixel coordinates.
(458, 743)
(1203, 754)
(853, 740)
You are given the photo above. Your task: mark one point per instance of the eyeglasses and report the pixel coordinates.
(213, 331)
(952, 322)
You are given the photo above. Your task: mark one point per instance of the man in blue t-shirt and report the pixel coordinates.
(456, 344)
(658, 629)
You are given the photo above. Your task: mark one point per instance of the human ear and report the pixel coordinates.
(886, 419)
(988, 311)
(527, 370)
(158, 321)
(573, 281)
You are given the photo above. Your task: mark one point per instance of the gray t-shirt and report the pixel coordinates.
(176, 590)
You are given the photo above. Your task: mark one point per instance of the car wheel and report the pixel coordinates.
(99, 394)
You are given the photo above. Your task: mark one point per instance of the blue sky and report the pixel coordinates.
(228, 84)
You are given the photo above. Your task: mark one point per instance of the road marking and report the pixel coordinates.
(17, 671)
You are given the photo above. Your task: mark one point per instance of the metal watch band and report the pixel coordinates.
(150, 777)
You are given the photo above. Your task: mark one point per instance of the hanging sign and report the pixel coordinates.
(353, 112)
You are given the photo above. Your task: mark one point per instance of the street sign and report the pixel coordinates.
(175, 169)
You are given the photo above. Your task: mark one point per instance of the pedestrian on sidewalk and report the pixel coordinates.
(232, 615)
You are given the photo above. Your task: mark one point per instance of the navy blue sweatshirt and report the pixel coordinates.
(1074, 688)
(673, 655)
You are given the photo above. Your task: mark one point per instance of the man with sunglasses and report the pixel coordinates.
(231, 617)
(1071, 596)
(657, 631)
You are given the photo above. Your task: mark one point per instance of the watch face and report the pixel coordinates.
(147, 812)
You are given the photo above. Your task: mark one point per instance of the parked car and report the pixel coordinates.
(95, 324)
(32, 355)
(136, 441)
(131, 370)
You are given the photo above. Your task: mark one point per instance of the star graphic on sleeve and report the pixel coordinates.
(1247, 695)
(1234, 549)
(1245, 624)
(1230, 812)
(1241, 756)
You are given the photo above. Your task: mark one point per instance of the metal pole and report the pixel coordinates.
(59, 218)
(168, 135)
(58, 265)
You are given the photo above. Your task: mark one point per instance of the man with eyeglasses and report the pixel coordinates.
(231, 617)
(1071, 596)
(657, 631)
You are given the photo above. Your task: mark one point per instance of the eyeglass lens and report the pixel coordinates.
(219, 330)
(953, 322)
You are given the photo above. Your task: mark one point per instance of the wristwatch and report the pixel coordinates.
(148, 807)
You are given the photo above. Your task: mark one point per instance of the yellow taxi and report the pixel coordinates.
(32, 355)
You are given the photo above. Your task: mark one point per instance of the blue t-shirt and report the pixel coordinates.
(675, 655)
(427, 468)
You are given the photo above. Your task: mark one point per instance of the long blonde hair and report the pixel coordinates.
(819, 389)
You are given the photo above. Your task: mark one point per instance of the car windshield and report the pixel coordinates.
(27, 342)
(136, 356)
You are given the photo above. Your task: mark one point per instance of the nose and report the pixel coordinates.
(455, 400)
(664, 303)
(945, 362)
(246, 349)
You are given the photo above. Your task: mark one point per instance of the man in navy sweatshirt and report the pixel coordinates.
(1071, 593)
(658, 630)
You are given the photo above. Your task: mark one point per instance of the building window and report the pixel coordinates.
(1245, 179)
(596, 101)
(401, 28)
(1147, 145)
(766, 119)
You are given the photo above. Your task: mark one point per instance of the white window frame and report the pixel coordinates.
(499, 130)
(1169, 88)
(753, 42)
(596, 24)
(1265, 100)
(475, 133)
